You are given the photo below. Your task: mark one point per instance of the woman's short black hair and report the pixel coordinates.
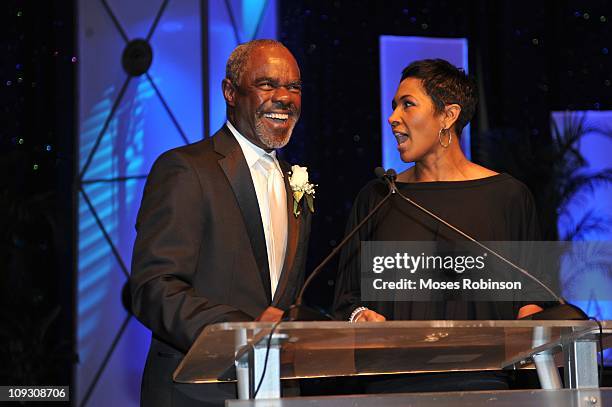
(446, 84)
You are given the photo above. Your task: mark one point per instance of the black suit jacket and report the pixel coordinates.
(200, 253)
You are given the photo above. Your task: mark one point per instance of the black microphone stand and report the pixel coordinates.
(301, 312)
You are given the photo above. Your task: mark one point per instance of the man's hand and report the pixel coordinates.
(369, 316)
(270, 314)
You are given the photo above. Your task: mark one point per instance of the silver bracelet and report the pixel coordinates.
(355, 312)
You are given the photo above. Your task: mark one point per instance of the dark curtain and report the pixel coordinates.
(529, 57)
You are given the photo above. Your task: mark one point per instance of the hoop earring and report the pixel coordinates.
(450, 137)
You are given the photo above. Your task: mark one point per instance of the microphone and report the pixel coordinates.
(388, 176)
(300, 312)
(563, 311)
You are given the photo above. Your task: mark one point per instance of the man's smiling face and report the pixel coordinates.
(267, 101)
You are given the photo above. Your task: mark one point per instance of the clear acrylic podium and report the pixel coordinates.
(237, 351)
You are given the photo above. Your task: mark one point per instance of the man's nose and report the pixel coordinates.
(281, 95)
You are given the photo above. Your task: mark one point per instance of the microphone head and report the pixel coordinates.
(379, 172)
(391, 174)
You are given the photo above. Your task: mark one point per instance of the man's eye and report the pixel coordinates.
(295, 88)
(266, 86)
(407, 103)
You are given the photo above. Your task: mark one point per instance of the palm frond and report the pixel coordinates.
(588, 223)
(581, 183)
(553, 168)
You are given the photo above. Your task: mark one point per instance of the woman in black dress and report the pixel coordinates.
(433, 103)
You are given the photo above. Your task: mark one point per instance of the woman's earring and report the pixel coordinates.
(450, 137)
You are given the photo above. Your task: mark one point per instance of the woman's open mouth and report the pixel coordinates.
(400, 137)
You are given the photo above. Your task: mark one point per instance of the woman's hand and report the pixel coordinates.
(527, 310)
(368, 315)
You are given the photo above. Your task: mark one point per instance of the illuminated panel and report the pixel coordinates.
(395, 54)
(124, 125)
(231, 23)
(178, 70)
(588, 287)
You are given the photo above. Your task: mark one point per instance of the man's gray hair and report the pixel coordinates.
(240, 55)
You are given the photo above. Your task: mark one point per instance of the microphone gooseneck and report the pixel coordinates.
(380, 173)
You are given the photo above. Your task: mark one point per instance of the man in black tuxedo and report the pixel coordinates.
(217, 236)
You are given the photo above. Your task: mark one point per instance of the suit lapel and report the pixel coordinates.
(236, 170)
(293, 238)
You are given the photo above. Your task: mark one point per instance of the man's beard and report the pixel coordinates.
(269, 138)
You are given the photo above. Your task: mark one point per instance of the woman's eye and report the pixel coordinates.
(408, 103)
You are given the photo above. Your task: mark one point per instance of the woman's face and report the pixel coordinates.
(413, 121)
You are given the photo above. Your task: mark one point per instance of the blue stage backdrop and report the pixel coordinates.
(589, 287)
(125, 122)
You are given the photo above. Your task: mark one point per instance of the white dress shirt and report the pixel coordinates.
(272, 199)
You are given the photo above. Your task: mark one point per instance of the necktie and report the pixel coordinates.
(277, 226)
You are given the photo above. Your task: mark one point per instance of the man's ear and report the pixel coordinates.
(229, 92)
(451, 114)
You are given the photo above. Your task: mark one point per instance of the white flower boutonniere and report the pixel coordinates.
(298, 180)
